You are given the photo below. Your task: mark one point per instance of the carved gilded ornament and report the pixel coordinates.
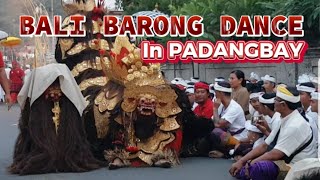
(98, 81)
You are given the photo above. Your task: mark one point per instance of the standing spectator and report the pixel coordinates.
(4, 82)
(269, 83)
(202, 97)
(239, 93)
(16, 78)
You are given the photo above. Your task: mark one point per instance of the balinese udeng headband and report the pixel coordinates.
(219, 79)
(305, 88)
(255, 95)
(269, 78)
(315, 95)
(217, 87)
(266, 101)
(286, 95)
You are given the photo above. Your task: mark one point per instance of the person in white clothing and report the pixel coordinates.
(266, 125)
(305, 90)
(191, 96)
(269, 83)
(291, 143)
(305, 169)
(229, 124)
(314, 108)
(254, 139)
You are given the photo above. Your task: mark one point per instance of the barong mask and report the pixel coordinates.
(147, 100)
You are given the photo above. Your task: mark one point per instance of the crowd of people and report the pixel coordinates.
(12, 78)
(267, 127)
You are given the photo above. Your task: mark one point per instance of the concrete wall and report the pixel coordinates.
(284, 72)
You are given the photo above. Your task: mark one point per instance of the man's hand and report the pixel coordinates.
(217, 103)
(263, 126)
(8, 101)
(236, 167)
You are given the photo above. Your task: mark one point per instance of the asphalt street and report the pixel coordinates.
(190, 168)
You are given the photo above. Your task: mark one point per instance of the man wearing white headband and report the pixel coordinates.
(191, 96)
(269, 83)
(254, 77)
(219, 79)
(267, 109)
(305, 90)
(254, 102)
(315, 108)
(314, 102)
(292, 142)
(229, 124)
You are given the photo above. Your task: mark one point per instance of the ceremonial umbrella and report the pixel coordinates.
(3, 35)
(11, 42)
(152, 14)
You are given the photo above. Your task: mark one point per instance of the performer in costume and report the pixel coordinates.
(82, 56)
(52, 137)
(106, 92)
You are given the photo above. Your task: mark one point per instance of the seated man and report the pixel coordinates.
(254, 139)
(52, 137)
(292, 142)
(202, 97)
(305, 90)
(267, 109)
(305, 169)
(229, 124)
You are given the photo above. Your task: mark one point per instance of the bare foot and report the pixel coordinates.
(116, 164)
(163, 163)
(216, 154)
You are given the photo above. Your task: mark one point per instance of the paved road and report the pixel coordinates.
(190, 169)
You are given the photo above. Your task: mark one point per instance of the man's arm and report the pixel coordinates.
(256, 152)
(5, 84)
(273, 155)
(218, 122)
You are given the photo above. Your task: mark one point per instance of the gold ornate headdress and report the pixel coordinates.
(71, 6)
(126, 67)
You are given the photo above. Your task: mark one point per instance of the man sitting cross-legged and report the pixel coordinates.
(229, 124)
(291, 142)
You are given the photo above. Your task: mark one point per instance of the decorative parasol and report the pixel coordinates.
(3, 35)
(152, 14)
(11, 42)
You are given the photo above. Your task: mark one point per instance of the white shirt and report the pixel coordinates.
(303, 168)
(7, 72)
(258, 142)
(194, 106)
(275, 121)
(295, 131)
(313, 116)
(235, 116)
(313, 119)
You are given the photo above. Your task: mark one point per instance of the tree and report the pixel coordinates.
(310, 9)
